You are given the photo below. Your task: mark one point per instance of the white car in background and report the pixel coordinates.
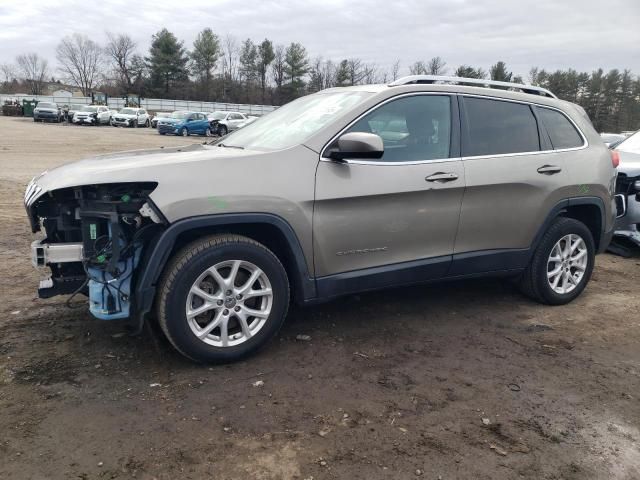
(73, 108)
(131, 117)
(224, 122)
(92, 115)
(159, 116)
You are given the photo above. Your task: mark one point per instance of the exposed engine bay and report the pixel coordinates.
(95, 236)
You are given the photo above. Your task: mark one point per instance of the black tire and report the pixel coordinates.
(147, 124)
(183, 270)
(222, 130)
(534, 282)
(208, 132)
(184, 132)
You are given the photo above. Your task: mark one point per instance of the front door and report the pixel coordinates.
(398, 214)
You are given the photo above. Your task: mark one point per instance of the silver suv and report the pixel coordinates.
(342, 191)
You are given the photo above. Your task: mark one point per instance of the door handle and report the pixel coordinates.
(442, 177)
(549, 169)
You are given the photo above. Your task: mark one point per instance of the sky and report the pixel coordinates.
(551, 34)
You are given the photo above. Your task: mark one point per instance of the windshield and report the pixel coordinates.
(295, 122)
(89, 108)
(217, 115)
(47, 105)
(179, 115)
(128, 111)
(631, 144)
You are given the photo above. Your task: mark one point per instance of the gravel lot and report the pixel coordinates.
(458, 380)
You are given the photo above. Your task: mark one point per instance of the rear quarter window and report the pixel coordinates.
(496, 127)
(561, 131)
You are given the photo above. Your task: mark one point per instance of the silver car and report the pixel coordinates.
(628, 189)
(346, 190)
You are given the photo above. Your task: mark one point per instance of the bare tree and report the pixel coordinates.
(395, 69)
(418, 68)
(81, 61)
(8, 72)
(121, 50)
(34, 70)
(278, 66)
(436, 66)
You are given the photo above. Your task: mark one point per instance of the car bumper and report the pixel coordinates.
(122, 122)
(87, 120)
(167, 129)
(46, 116)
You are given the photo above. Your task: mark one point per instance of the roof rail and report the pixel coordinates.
(430, 79)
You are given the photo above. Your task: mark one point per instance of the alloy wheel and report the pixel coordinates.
(567, 263)
(229, 303)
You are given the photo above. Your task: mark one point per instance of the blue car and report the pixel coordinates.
(185, 123)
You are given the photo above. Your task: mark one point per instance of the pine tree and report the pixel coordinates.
(204, 57)
(167, 63)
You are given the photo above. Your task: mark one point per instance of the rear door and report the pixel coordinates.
(399, 212)
(513, 181)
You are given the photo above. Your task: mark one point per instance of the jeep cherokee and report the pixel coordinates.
(346, 190)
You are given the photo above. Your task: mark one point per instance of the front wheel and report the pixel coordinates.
(222, 130)
(147, 124)
(222, 297)
(562, 263)
(184, 132)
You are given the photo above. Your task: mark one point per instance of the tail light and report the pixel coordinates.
(615, 158)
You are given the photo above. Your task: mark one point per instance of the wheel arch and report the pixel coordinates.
(270, 230)
(588, 210)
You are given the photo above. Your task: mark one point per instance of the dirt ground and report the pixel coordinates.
(461, 380)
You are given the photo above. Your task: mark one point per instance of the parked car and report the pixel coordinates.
(185, 123)
(225, 122)
(246, 122)
(612, 139)
(47, 111)
(73, 108)
(345, 190)
(159, 116)
(131, 117)
(628, 189)
(92, 115)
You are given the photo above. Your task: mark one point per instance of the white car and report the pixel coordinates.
(225, 122)
(131, 117)
(92, 115)
(73, 108)
(159, 116)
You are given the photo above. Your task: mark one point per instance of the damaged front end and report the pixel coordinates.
(95, 238)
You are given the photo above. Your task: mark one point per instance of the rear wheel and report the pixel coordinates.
(561, 265)
(222, 297)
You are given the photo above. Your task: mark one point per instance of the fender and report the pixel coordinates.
(560, 207)
(158, 255)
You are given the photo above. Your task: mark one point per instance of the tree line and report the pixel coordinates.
(224, 69)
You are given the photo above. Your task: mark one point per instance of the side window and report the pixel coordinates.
(497, 127)
(561, 131)
(412, 128)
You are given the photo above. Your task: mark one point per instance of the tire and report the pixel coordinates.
(208, 132)
(184, 132)
(222, 130)
(187, 268)
(147, 124)
(535, 282)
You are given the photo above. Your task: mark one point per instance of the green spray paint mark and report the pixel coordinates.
(583, 189)
(218, 202)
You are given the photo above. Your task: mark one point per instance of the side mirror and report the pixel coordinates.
(357, 145)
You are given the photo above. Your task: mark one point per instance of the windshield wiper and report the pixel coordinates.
(230, 146)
